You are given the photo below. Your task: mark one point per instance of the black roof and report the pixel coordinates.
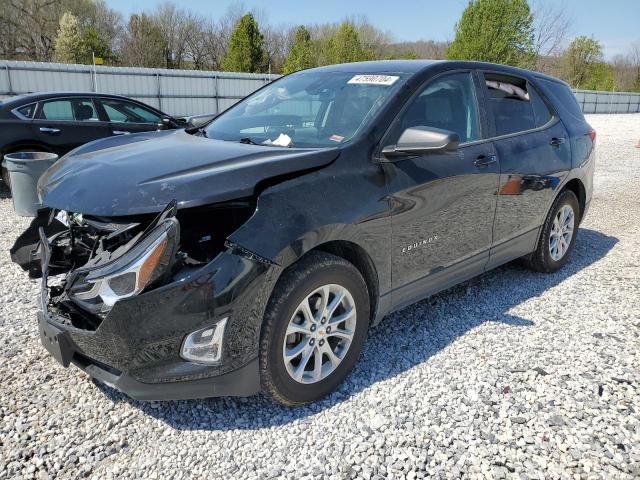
(26, 98)
(416, 66)
(378, 66)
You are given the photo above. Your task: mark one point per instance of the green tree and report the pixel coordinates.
(404, 55)
(584, 65)
(75, 44)
(345, 46)
(69, 43)
(600, 77)
(498, 31)
(94, 44)
(302, 53)
(246, 52)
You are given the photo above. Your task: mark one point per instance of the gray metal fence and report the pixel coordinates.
(193, 92)
(608, 102)
(177, 92)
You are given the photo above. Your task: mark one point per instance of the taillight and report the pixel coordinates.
(592, 134)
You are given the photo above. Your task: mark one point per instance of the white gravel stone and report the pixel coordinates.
(511, 375)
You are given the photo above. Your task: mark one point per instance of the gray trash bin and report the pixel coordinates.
(25, 168)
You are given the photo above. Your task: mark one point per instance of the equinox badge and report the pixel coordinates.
(421, 243)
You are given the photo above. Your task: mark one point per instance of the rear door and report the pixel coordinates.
(534, 154)
(443, 203)
(66, 123)
(127, 117)
(15, 126)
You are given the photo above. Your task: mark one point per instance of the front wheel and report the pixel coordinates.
(314, 329)
(558, 236)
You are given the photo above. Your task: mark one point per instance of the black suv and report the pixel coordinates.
(255, 253)
(60, 122)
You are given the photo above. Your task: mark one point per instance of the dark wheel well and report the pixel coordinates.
(358, 257)
(577, 188)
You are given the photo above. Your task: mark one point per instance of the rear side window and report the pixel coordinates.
(72, 109)
(565, 98)
(510, 104)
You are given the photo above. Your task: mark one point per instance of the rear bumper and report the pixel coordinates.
(244, 381)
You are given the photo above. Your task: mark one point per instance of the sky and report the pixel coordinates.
(615, 23)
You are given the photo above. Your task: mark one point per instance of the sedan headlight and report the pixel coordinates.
(98, 288)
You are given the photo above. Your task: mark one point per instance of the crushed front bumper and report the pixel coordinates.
(136, 347)
(244, 381)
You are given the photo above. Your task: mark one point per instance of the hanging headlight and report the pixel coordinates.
(97, 289)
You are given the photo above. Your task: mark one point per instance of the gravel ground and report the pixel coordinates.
(511, 375)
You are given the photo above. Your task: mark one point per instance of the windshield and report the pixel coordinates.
(310, 109)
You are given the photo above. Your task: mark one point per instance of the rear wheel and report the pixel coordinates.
(314, 329)
(558, 235)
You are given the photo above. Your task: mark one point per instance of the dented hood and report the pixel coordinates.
(142, 173)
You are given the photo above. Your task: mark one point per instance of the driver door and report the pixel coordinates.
(442, 203)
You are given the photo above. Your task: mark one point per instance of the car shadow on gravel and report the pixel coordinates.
(420, 330)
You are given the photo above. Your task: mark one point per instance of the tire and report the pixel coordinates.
(544, 258)
(316, 277)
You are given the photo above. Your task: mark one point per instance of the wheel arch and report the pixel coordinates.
(576, 186)
(359, 258)
(354, 254)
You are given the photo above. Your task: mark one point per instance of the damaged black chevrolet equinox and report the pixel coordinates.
(254, 254)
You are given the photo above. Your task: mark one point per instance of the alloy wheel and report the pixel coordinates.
(319, 334)
(561, 233)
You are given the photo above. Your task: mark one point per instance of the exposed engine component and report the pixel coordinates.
(108, 259)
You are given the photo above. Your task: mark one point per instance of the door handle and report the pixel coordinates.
(484, 160)
(49, 130)
(120, 132)
(556, 141)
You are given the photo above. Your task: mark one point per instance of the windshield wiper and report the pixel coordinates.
(247, 141)
(201, 130)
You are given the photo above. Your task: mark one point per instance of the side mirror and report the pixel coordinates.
(421, 140)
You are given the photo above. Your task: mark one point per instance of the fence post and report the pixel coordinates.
(159, 91)
(610, 102)
(215, 78)
(9, 80)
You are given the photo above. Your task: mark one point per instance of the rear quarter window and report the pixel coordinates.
(27, 111)
(540, 110)
(563, 98)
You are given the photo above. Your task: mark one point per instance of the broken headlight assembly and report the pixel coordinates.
(97, 287)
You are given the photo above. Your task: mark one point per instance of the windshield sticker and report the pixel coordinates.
(373, 79)
(336, 138)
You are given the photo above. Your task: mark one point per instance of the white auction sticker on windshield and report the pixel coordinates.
(373, 79)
